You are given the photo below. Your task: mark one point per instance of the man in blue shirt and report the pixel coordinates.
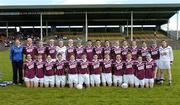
(16, 57)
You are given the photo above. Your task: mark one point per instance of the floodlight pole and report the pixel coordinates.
(86, 26)
(177, 36)
(7, 30)
(131, 25)
(41, 27)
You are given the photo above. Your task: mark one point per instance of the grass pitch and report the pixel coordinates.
(159, 95)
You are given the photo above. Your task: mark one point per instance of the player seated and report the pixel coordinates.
(83, 68)
(60, 71)
(95, 71)
(150, 71)
(129, 71)
(72, 72)
(29, 71)
(139, 77)
(49, 71)
(39, 78)
(106, 70)
(118, 71)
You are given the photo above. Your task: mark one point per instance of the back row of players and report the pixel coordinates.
(90, 65)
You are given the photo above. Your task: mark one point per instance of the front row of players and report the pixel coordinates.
(106, 72)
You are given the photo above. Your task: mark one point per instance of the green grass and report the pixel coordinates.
(19, 95)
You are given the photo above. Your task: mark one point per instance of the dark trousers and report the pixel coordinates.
(17, 70)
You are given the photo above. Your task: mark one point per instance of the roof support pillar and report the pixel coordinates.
(7, 30)
(41, 27)
(46, 28)
(168, 28)
(127, 29)
(86, 27)
(131, 25)
(177, 34)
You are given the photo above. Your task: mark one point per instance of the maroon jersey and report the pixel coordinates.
(95, 67)
(41, 51)
(143, 52)
(140, 70)
(70, 51)
(60, 67)
(99, 52)
(129, 67)
(118, 68)
(150, 69)
(89, 52)
(106, 66)
(51, 50)
(79, 51)
(29, 50)
(83, 67)
(124, 52)
(49, 68)
(134, 52)
(116, 51)
(40, 69)
(29, 69)
(155, 53)
(72, 67)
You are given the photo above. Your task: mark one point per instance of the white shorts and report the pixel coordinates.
(49, 80)
(60, 79)
(138, 82)
(129, 79)
(38, 80)
(84, 78)
(149, 81)
(106, 77)
(164, 64)
(95, 79)
(28, 79)
(72, 78)
(117, 79)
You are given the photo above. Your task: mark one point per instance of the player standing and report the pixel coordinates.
(41, 50)
(124, 50)
(134, 50)
(116, 50)
(98, 50)
(107, 48)
(89, 50)
(70, 49)
(29, 49)
(61, 49)
(143, 51)
(165, 61)
(79, 50)
(51, 50)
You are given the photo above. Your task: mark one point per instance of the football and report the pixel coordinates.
(124, 85)
(79, 86)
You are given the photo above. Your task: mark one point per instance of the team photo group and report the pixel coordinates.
(90, 64)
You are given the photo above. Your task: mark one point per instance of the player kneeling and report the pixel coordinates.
(49, 78)
(72, 72)
(84, 71)
(129, 71)
(139, 73)
(39, 79)
(60, 71)
(29, 71)
(95, 70)
(118, 71)
(106, 71)
(150, 71)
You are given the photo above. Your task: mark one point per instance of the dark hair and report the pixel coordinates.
(59, 54)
